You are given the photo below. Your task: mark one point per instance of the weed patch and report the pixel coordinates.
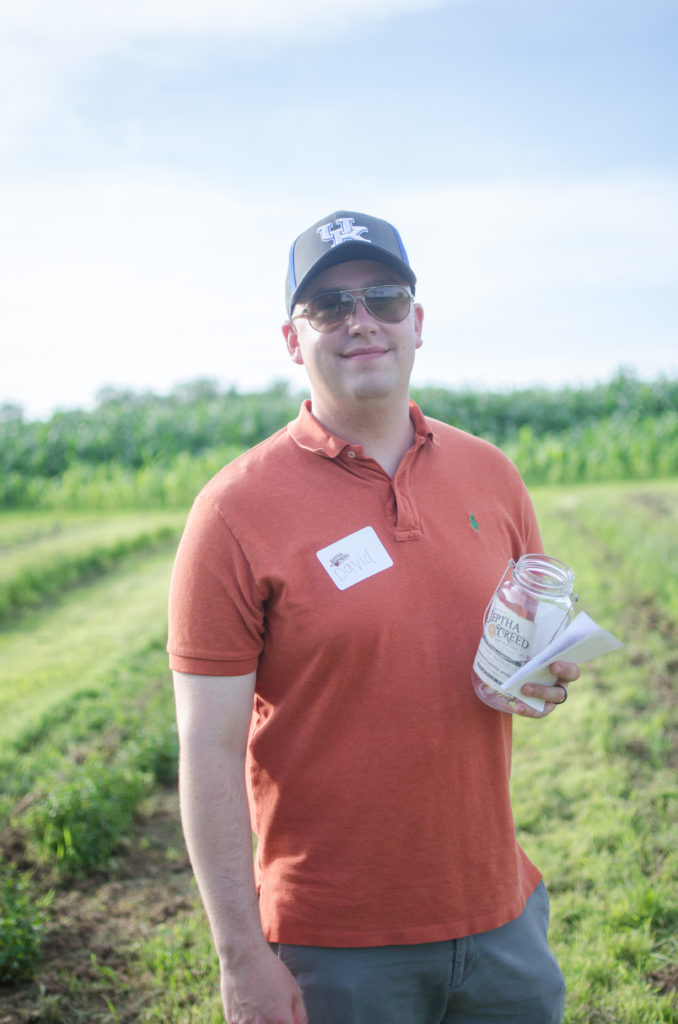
(92, 967)
(79, 823)
(22, 924)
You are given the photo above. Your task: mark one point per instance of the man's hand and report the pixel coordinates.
(261, 990)
(564, 672)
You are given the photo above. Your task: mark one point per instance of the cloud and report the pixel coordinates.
(540, 282)
(47, 47)
(138, 283)
(165, 278)
(82, 19)
(614, 230)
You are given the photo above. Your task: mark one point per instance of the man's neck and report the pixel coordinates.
(383, 430)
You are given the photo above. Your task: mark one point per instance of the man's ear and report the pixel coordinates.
(292, 341)
(418, 324)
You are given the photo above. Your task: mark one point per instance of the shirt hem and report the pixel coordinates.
(212, 667)
(300, 935)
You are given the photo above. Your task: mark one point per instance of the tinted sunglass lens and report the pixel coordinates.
(389, 303)
(328, 310)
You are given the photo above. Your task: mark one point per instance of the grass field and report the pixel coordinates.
(595, 790)
(87, 728)
(45, 554)
(71, 645)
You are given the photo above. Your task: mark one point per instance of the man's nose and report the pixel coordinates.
(361, 318)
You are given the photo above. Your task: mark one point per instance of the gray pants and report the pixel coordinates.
(506, 975)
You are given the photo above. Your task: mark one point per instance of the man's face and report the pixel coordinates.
(362, 358)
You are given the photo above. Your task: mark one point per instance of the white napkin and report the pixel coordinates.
(581, 641)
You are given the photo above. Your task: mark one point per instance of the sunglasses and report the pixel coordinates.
(387, 302)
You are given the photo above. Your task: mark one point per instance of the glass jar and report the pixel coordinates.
(533, 603)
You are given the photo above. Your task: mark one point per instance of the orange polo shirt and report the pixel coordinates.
(378, 781)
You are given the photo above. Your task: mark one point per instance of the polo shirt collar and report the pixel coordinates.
(308, 433)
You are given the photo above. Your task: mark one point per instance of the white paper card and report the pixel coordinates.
(581, 641)
(354, 558)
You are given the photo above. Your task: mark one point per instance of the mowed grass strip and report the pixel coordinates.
(624, 536)
(29, 534)
(42, 555)
(57, 651)
(595, 787)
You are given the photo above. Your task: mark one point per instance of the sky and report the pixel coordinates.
(158, 157)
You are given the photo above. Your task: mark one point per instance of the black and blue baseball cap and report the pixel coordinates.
(338, 238)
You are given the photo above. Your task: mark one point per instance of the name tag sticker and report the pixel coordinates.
(354, 558)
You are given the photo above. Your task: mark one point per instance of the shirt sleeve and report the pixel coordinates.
(216, 609)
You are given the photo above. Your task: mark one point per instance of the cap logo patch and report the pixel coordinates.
(346, 230)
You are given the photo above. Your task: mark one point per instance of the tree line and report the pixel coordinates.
(626, 427)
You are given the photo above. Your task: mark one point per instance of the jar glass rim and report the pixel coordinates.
(543, 575)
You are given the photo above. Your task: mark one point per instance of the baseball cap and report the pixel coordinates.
(342, 236)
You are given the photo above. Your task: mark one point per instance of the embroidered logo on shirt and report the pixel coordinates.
(354, 558)
(473, 521)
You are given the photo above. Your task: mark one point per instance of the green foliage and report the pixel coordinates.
(134, 429)
(618, 448)
(59, 569)
(79, 822)
(71, 783)
(157, 751)
(499, 416)
(129, 716)
(183, 966)
(174, 481)
(145, 450)
(22, 921)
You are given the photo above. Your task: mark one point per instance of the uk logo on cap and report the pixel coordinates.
(346, 231)
(322, 246)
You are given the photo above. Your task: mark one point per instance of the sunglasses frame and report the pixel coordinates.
(355, 294)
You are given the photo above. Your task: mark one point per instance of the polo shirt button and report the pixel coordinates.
(351, 454)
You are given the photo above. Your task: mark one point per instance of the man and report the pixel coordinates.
(326, 606)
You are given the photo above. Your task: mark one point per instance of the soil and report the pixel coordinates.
(86, 955)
